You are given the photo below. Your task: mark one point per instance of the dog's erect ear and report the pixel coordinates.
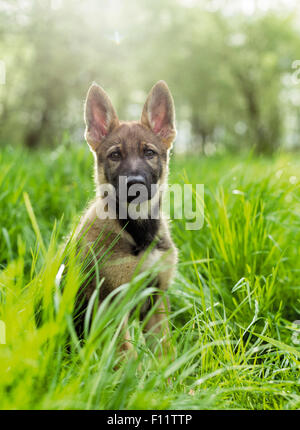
(100, 116)
(159, 113)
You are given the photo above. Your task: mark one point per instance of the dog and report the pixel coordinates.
(139, 152)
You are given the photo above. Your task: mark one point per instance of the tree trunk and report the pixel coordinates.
(34, 136)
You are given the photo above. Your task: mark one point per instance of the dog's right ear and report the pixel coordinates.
(100, 116)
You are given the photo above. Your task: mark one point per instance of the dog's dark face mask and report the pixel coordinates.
(131, 156)
(133, 161)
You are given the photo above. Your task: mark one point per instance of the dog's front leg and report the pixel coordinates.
(158, 327)
(126, 338)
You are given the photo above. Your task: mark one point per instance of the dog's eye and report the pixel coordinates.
(149, 153)
(115, 156)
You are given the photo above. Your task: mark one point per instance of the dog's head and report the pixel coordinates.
(138, 150)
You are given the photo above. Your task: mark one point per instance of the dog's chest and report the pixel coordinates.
(121, 267)
(152, 259)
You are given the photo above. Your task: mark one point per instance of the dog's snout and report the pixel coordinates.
(135, 179)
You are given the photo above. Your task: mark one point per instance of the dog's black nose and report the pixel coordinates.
(137, 179)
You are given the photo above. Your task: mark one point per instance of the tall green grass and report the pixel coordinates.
(234, 299)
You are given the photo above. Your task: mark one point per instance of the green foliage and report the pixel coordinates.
(230, 73)
(234, 299)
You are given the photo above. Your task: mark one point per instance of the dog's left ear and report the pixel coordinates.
(159, 113)
(100, 116)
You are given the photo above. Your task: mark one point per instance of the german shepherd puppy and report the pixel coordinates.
(138, 151)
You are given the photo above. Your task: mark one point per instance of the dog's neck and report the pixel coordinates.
(143, 230)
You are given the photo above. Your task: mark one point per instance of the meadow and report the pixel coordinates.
(234, 300)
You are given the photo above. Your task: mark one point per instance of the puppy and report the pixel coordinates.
(138, 153)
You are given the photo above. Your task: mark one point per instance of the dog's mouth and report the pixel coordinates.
(136, 194)
(134, 190)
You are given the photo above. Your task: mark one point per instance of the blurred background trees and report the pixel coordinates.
(229, 65)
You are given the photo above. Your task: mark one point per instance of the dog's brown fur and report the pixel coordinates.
(105, 135)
